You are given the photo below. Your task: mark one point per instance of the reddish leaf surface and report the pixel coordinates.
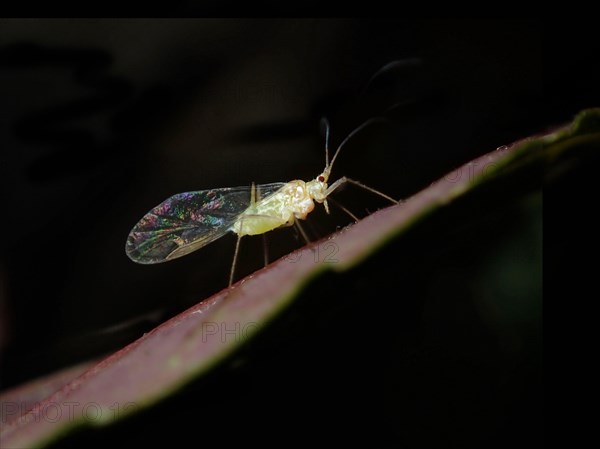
(191, 343)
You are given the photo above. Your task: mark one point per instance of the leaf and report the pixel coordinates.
(190, 344)
(24, 397)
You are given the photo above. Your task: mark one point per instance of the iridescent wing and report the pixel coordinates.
(188, 221)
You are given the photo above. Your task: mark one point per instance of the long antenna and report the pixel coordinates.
(349, 136)
(391, 66)
(325, 123)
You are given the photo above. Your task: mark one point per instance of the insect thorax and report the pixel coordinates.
(291, 202)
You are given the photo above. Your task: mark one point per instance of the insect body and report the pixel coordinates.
(294, 200)
(188, 221)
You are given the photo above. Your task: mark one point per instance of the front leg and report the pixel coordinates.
(344, 180)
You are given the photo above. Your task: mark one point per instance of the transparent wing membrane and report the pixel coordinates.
(188, 221)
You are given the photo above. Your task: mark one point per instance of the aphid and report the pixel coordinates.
(188, 221)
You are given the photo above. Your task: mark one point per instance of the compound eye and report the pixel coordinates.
(321, 178)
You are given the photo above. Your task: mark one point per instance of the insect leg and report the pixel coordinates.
(344, 180)
(253, 195)
(257, 197)
(235, 256)
(265, 249)
(253, 198)
(302, 232)
(337, 203)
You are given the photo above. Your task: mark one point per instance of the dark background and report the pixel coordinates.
(435, 342)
